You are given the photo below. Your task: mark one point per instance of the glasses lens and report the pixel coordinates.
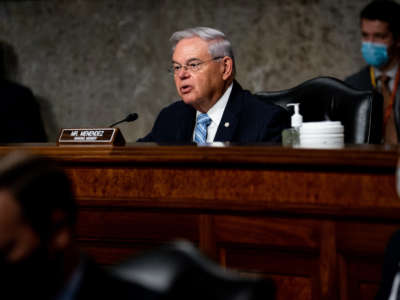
(174, 69)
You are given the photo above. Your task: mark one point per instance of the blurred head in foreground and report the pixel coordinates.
(37, 219)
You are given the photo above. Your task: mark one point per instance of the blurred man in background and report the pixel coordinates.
(20, 117)
(380, 29)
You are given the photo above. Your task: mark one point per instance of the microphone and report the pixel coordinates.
(129, 118)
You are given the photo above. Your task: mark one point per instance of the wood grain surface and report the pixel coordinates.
(316, 221)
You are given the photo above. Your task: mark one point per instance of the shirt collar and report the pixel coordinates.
(391, 72)
(216, 111)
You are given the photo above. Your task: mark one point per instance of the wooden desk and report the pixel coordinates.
(316, 221)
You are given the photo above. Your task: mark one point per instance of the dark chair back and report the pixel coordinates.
(328, 98)
(179, 271)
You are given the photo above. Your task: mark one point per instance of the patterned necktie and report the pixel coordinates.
(200, 132)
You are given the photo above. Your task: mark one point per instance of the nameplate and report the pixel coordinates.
(91, 136)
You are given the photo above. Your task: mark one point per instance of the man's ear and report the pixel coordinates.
(62, 238)
(228, 67)
(61, 235)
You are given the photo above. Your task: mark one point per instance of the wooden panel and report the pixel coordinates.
(364, 274)
(271, 261)
(111, 252)
(299, 271)
(279, 232)
(289, 287)
(328, 261)
(372, 157)
(236, 188)
(368, 291)
(363, 237)
(316, 221)
(127, 225)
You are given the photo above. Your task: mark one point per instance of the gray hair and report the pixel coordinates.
(219, 45)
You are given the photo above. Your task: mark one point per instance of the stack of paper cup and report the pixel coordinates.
(326, 134)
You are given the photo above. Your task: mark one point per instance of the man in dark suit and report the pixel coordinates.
(380, 29)
(39, 256)
(214, 107)
(20, 118)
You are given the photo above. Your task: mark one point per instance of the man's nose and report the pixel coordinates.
(183, 72)
(369, 38)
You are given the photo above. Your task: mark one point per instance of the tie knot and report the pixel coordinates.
(203, 119)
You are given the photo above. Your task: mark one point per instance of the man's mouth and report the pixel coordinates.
(185, 89)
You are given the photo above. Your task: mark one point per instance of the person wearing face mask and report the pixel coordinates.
(39, 256)
(380, 30)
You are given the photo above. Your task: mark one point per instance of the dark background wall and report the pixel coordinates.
(91, 62)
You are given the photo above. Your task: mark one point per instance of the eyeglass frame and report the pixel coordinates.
(192, 67)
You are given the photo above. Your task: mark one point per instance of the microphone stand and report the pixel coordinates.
(129, 118)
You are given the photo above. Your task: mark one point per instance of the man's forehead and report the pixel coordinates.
(190, 48)
(374, 25)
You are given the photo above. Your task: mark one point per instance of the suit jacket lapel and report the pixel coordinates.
(367, 78)
(230, 118)
(186, 124)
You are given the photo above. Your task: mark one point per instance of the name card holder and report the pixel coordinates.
(91, 136)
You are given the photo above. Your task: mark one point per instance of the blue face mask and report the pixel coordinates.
(374, 54)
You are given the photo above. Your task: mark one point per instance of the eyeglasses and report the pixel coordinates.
(192, 67)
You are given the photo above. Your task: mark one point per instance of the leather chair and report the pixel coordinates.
(179, 271)
(327, 98)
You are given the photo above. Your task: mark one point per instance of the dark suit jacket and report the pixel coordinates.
(250, 120)
(362, 80)
(99, 284)
(20, 119)
(390, 266)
